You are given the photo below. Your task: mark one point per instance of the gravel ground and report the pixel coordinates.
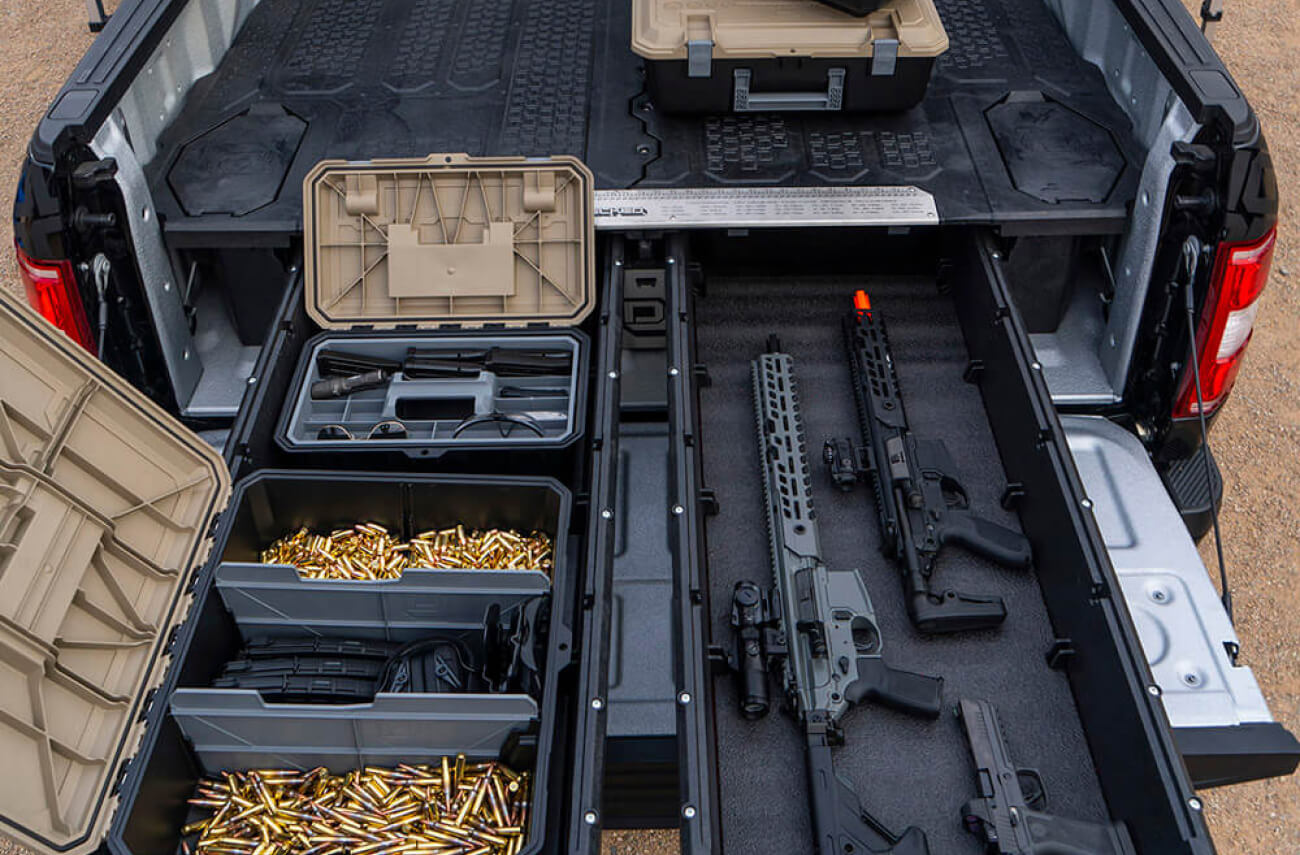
(1255, 439)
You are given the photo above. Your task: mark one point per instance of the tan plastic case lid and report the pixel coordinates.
(106, 503)
(449, 240)
(764, 29)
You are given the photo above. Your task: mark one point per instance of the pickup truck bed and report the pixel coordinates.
(1017, 128)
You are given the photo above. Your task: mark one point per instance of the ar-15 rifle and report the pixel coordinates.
(921, 503)
(819, 625)
(1008, 813)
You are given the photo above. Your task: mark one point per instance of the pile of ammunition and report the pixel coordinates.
(368, 552)
(456, 808)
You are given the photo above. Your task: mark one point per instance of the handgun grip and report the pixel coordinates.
(1058, 835)
(995, 542)
(905, 691)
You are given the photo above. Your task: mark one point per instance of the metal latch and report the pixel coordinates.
(884, 57)
(699, 58)
(744, 100)
(699, 46)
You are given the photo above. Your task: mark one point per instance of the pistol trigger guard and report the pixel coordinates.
(1031, 786)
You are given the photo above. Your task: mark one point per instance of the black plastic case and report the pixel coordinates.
(161, 777)
(704, 56)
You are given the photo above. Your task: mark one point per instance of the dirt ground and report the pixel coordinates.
(1256, 438)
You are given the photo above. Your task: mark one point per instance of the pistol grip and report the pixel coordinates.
(954, 611)
(905, 691)
(995, 542)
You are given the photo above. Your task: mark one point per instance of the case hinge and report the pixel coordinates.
(121, 776)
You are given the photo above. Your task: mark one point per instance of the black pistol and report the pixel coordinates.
(1008, 814)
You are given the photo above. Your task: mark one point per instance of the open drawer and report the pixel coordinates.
(1066, 670)
(117, 620)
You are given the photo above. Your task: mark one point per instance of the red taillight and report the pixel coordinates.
(52, 291)
(1240, 273)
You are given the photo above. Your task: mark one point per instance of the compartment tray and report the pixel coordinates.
(237, 729)
(433, 409)
(270, 600)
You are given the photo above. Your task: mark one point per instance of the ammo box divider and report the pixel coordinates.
(272, 599)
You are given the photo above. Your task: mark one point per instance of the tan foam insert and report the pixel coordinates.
(757, 29)
(449, 239)
(105, 504)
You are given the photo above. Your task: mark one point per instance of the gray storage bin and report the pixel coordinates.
(482, 410)
(199, 730)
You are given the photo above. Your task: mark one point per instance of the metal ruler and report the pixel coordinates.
(765, 207)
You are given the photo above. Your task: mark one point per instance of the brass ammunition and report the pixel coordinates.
(446, 786)
(488, 836)
(452, 808)
(463, 813)
(480, 790)
(495, 805)
(249, 811)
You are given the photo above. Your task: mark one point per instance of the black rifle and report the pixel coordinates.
(819, 625)
(1008, 813)
(921, 503)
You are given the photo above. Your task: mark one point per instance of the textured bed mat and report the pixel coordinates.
(908, 771)
(1016, 128)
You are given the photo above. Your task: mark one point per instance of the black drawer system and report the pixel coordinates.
(606, 668)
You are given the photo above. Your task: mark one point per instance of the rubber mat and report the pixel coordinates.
(908, 771)
(359, 79)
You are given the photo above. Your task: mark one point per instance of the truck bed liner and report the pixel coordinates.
(907, 771)
(1017, 129)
